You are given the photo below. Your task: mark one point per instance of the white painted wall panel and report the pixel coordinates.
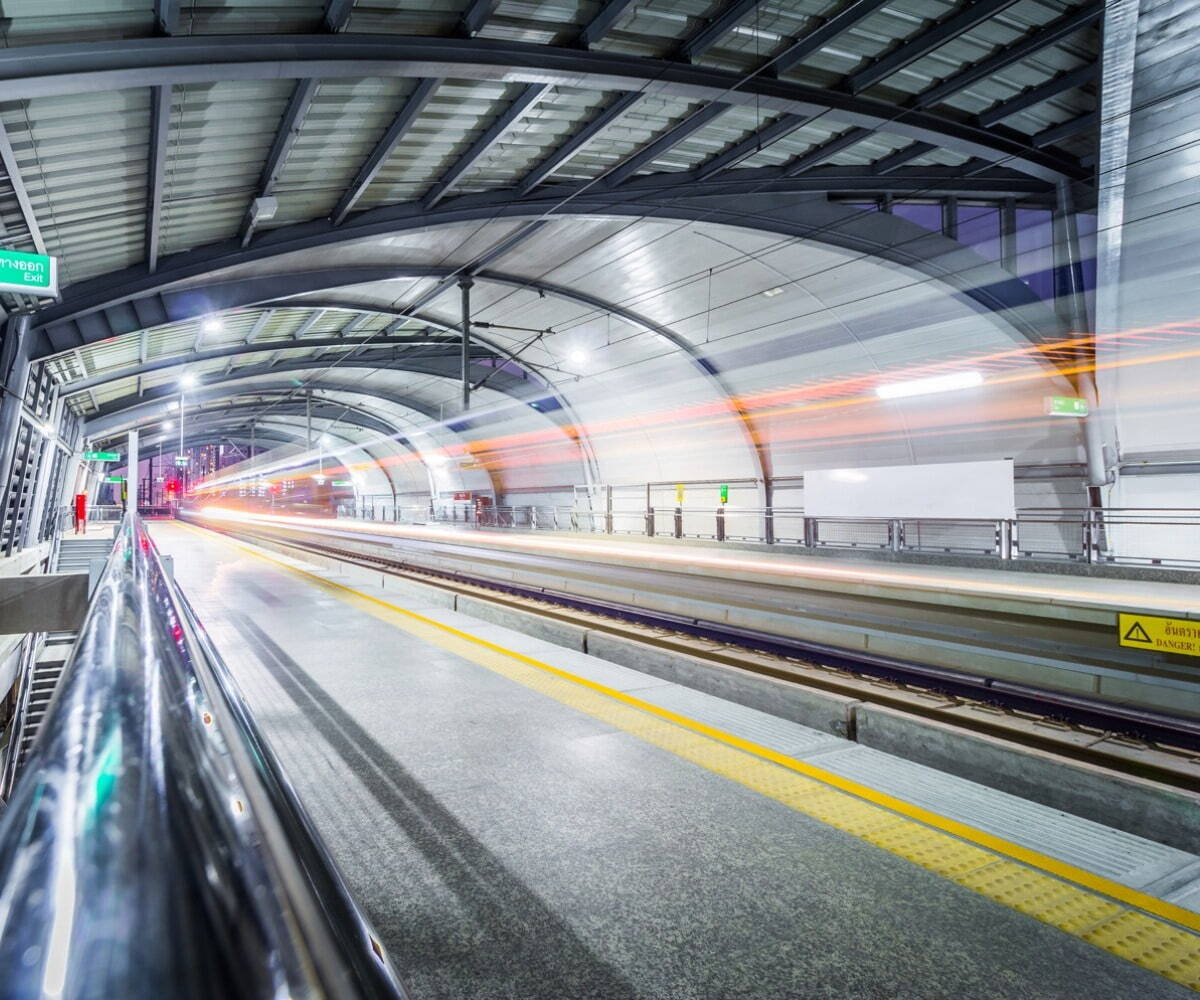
(950, 489)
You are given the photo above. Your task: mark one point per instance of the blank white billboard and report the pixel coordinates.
(980, 490)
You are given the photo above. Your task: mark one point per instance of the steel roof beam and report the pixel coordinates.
(475, 16)
(1067, 129)
(1030, 97)
(37, 71)
(166, 16)
(629, 166)
(337, 14)
(716, 29)
(413, 106)
(568, 149)
(1034, 42)
(894, 161)
(754, 143)
(160, 126)
(909, 50)
(285, 137)
(78, 386)
(822, 153)
(129, 300)
(819, 37)
(492, 134)
(9, 159)
(603, 22)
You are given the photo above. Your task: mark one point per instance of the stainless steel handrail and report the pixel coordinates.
(152, 846)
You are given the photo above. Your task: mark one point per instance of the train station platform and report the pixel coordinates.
(523, 820)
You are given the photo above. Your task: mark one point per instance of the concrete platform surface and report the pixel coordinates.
(512, 839)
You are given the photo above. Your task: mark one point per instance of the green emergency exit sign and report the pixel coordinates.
(101, 456)
(342, 482)
(28, 273)
(1066, 406)
(114, 479)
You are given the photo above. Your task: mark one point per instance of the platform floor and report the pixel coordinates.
(514, 831)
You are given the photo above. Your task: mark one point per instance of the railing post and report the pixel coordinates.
(720, 524)
(608, 510)
(1089, 536)
(810, 532)
(649, 522)
(678, 522)
(895, 534)
(533, 520)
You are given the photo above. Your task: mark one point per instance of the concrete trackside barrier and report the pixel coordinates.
(1145, 808)
(526, 622)
(829, 713)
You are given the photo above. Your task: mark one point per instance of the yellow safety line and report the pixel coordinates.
(1160, 947)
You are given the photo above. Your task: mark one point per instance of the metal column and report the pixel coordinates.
(465, 285)
(132, 461)
(14, 374)
(1073, 308)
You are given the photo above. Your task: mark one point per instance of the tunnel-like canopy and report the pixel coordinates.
(678, 221)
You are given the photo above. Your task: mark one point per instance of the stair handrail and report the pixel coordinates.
(152, 846)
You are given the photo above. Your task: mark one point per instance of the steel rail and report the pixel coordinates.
(1076, 710)
(152, 846)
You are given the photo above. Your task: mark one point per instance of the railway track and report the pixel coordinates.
(1121, 739)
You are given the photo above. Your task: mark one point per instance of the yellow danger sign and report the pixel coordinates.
(1163, 635)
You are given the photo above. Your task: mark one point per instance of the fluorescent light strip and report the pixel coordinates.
(925, 386)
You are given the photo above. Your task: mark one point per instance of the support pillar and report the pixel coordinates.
(465, 284)
(14, 374)
(1068, 266)
(132, 461)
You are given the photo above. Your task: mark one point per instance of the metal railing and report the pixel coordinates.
(1114, 536)
(151, 846)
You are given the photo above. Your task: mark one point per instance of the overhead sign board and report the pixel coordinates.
(1163, 635)
(114, 479)
(181, 460)
(28, 274)
(101, 456)
(1066, 406)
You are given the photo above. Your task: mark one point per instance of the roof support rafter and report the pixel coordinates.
(160, 127)
(1033, 96)
(337, 14)
(718, 28)
(413, 106)
(166, 16)
(843, 20)
(35, 71)
(1022, 48)
(285, 137)
(894, 161)
(668, 140)
(568, 149)
(908, 51)
(9, 159)
(1066, 130)
(602, 23)
(528, 97)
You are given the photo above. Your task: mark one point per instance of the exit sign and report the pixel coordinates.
(28, 273)
(114, 479)
(101, 456)
(342, 482)
(1066, 406)
(181, 460)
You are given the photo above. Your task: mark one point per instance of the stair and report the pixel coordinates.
(75, 555)
(47, 669)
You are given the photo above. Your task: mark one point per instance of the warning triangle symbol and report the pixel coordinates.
(1137, 634)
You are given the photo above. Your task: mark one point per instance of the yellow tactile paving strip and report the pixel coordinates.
(1139, 928)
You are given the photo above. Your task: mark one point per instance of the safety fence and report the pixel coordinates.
(1128, 536)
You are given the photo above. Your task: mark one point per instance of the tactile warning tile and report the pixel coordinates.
(940, 853)
(1154, 944)
(1048, 899)
(1167, 950)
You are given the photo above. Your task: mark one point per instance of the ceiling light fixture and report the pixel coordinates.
(925, 386)
(770, 293)
(212, 324)
(187, 381)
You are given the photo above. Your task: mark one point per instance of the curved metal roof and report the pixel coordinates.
(137, 136)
